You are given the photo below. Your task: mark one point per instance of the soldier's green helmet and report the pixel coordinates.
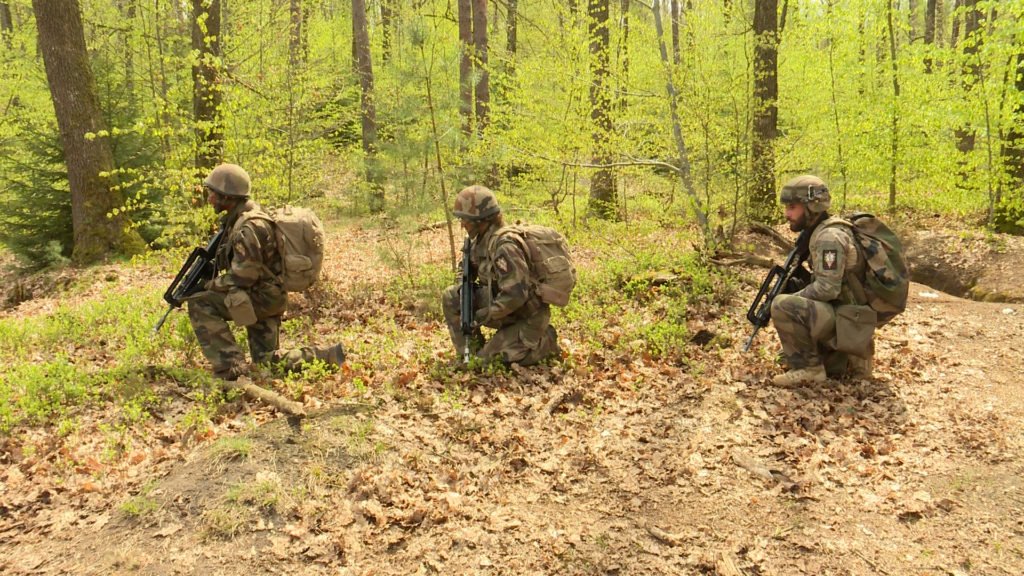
(808, 190)
(229, 180)
(475, 203)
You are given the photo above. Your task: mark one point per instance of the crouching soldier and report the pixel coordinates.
(505, 296)
(806, 320)
(247, 288)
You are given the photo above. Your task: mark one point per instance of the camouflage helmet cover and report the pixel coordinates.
(228, 180)
(808, 190)
(475, 203)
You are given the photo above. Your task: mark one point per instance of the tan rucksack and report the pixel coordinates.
(551, 267)
(300, 241)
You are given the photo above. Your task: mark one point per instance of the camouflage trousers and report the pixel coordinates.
(807, 330)
(524, 341)
(209, 316)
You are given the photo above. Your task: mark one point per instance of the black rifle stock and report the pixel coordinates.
(466, 310)
(760, 311)
(197, 270)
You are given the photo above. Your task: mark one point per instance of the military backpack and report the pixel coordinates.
(886, 279)
(300, 241)
(551, 268)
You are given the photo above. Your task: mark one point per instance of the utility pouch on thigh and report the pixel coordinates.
(855, 327)
(240, 308)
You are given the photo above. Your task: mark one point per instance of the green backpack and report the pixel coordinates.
(300, 241)
(551, 268)
(886, 275)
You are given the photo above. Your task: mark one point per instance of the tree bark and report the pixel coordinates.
(673, 9)
(368, 112)
(970, 71)
(929, 32)
(295, 56)
(482, 75)
(602, 183)
(624, 55)
(466, 65)
(1006, 215)
(6, 24)
(894, 123)
(766, 94)
(511, 27)
(87, 150)
(206, 89)
(387, 29)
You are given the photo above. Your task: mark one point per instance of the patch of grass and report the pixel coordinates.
(140, 505)
(231, 448)
(226, 521)
(264, 492)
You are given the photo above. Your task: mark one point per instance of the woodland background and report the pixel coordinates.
(112, 112)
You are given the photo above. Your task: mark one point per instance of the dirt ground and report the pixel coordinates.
(608, 463)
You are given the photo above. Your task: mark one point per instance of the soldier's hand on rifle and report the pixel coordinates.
(797, 281)
(481, 317)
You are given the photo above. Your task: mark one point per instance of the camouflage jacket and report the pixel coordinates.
(503, 270)
(248, 256)
(834, 259)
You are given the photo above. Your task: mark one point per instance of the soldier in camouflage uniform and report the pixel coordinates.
(505, 298)
(247, 288)
(806, 319)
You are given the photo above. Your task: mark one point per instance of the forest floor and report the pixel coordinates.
(609, 462)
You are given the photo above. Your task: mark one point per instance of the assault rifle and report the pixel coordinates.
(760, 311)
(197, 270)
(466, 310)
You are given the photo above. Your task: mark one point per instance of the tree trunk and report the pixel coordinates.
(6, 24)
(206, 90)
(295, 20)
(673, 9)
(361, 39)
(1008, 214)
(482, 75)
(929, 32)
(87, 150)
(466, 65)
(511, 29)
(766, 94)
(970, 71)
(387, 29)
(602, 184)
(127, 9)
(624, 55)
(894, 125)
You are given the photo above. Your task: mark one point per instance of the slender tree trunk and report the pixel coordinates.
(602, 184)
(387, 29)
(466, 65)
(127, 9)
(361, 39)
(6, 24)
(511, 30)
(295, 11)
(970, 71)
(87, 150)
(766, 94)
(206, 91)
(624, 55)
(929, 32)
(482, 74)
(895, 127)
(673, 9)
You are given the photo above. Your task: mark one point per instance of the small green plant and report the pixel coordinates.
(226, 521)
(231, 448)
(142, 504)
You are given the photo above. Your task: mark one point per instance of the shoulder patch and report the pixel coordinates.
(501, 264)
(828, 259)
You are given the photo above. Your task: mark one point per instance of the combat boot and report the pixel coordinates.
(860, 368)
(232, 373)
(809, 375)
(331, 354)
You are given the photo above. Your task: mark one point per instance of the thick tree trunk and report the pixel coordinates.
(482, 76)
(766, 94)
(361, 39)
(87, 150)
(206, 90)
(466, 65)
(602, 184)
(6, 23)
